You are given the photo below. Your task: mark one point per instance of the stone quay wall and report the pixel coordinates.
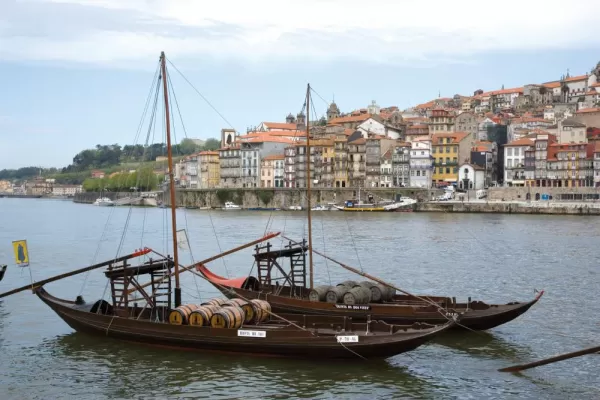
(547, 208)
(521, 193)
(90, 197)
(284, 197)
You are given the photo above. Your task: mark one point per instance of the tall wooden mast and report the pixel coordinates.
(308, 205)
(163, 67)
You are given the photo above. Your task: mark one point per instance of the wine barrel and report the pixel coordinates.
(216, 302)
(348, 284)
(249, 313)
(235, 302)
(336, 294)
(202, 315)
(244, 305)
(366, 284)
(180, 315)
(231, 317)
(357, 295)
(391, 292)
(380, 293)
(262, 310)
(318, 293)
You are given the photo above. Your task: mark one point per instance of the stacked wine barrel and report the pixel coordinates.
(222, 313)
(351, 292)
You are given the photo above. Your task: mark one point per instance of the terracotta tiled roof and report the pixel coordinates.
(360, 140)
(423, 106)
(209, 153)
(597, 147)
(588, 110)
(504, 91)
(551, 85)
(576, 78)
(280, 125)
(457, 136)
(520, 142)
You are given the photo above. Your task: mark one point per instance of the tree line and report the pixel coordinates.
(106, 157)
(143, 180)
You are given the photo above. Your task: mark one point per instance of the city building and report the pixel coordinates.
(440, 121)
(471, 177)
(514, 161)
(209, 169)
(421, 164)
(401, 164)
(448, 150)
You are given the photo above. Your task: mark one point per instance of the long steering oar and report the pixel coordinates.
(550, 360)
(76, 272)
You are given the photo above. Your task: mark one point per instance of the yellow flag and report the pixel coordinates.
(21, 253)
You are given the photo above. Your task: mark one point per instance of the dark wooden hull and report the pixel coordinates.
(406, 310)
(283, 341)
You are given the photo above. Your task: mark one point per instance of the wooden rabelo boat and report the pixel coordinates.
(373, 299)
(237, 325)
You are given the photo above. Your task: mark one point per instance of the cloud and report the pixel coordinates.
(266, 31)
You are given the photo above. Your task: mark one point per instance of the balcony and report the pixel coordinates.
(446, 164)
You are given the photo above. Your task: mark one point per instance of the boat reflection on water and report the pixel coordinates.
(157, 372)
(484, 344)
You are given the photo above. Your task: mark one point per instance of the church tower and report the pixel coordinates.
(333, 111)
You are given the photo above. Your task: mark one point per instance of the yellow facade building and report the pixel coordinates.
(210, 170)
(448, 150)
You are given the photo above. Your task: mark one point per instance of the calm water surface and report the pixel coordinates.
(496, 258)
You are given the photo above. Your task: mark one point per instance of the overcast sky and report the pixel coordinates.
(77, 72)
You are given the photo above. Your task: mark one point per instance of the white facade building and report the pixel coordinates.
(471, 177)
(514, 161)
(420, 164)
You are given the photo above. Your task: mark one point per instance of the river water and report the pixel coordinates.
(495, 258)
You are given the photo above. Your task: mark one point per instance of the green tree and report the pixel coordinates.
(211, 144)
(188, 146)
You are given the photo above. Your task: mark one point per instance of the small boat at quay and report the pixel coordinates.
(104, 202)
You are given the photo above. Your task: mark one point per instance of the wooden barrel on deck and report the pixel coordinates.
(348, 284)
(181, 314)
(262, 310)
(216, 302)
(245, 306)
(202, 315)
(235, 302)
(366, 284)
(231, 317)
(357, 295)
(318, 293)
(380, 293)
(391, 292)
(249, 313)
(336, 294)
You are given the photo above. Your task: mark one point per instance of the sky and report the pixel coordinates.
(77, 72)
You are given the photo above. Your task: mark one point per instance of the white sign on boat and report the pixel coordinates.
(347, 339)
(248, 333)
